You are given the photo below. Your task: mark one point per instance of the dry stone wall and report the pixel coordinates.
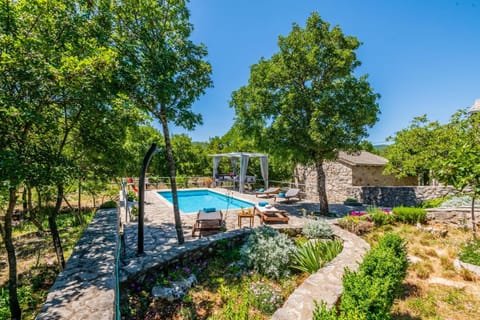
(367, 186)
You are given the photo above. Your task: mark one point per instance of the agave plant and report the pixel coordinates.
(314, 254)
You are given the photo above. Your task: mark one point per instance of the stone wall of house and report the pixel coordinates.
(373, 176)
(338, 179)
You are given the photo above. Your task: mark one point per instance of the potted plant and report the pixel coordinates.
(208, 182)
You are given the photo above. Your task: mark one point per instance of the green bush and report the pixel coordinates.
(321, 312)
(410, 215)
(317, 229)
(470, 252)
(314, 254)
(132, 196)
(356, 224)
(108, 205)
(365, 297)
(381, 218)
(369, 293)
(432, 203)
(268, 252)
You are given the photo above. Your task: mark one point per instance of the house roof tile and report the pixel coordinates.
(361, 158)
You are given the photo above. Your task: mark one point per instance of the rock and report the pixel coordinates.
(177, 291)
(447, 282)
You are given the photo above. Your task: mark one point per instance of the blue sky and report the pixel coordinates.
(422, 56)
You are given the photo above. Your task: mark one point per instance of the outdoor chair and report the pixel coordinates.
(289, 195)
(270, 192)
(208, 221)
(270, 214)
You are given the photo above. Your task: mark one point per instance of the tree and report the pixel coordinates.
(305, 101)
(165, 70)
(413, 150)
(456, 162)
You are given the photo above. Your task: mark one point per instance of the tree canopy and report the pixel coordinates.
(305, 102)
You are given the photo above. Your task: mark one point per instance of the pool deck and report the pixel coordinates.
(159, 225)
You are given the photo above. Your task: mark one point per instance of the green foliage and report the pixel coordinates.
(381, 217)
(321, 312)
(410, 215)
(413, 149)
(433, 203)
(317, 229)
(459, 201)
(470, 252)
(355, 224)
(132, 196)
(268, 252)
(369, 293)
(314, 254)
(266, 298)
(108, 204)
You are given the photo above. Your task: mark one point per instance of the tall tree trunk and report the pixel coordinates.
(52, 222)
(171, 163)
(15, 311)
(33, 213)
(474, 224)
(322, 192)
(79, 194)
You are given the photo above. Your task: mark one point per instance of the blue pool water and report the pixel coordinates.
(190, 201)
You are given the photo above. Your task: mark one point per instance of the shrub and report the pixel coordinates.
(387, 261)
(314, 254)
(459, 201)
(381, 217)
(410, 215)
(108, 205)
(369, 293)
(355, 224)
(268, 252)
(317, 229)
(322, 313)
(132, 196)
(432, 203)
(365, 297)
(265, 297)
(470, 252)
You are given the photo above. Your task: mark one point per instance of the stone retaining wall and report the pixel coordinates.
(86, 288)
(398, 196)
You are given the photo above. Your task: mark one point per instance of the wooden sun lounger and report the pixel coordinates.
(208, 223)
(271, 214)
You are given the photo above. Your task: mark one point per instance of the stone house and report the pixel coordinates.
(347, 174)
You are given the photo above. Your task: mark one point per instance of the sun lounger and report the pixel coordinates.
(289, 195)
(270, 192)
(208, 222)
(271, 214)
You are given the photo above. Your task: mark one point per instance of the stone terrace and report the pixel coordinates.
(70, 299)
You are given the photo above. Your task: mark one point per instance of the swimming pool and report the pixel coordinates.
(190, 201)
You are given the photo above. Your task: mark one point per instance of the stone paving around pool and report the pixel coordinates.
(160, 246)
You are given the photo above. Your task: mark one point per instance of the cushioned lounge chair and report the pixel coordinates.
(208, 222)
(270, 214)
(270, 192)
(290, 194)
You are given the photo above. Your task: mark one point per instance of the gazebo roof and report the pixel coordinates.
(239, 154)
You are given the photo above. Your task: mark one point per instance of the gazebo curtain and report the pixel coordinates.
(243, 172)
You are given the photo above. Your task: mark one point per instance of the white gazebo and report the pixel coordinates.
(244, 157)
